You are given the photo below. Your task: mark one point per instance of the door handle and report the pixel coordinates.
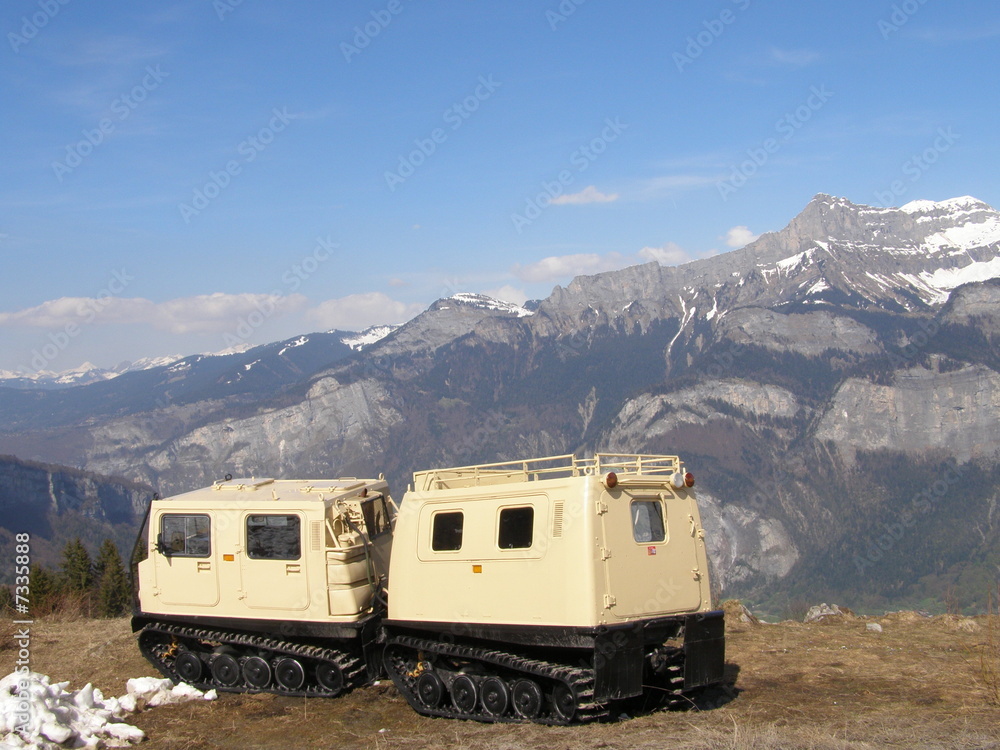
(293, 569)
(204, 566)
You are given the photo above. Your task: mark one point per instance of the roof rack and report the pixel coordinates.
(550, 467)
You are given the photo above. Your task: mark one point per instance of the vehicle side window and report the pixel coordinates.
(274, 537)
(376, 516)
(186, 535)
(516, 527)
(447, 531)
(647, 521)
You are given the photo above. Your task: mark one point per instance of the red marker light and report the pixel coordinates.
(611, 480)
(689, 480)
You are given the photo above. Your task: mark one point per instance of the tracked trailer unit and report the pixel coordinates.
(548, 589)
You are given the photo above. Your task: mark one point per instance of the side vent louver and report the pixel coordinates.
(316, 535)
(557, 519)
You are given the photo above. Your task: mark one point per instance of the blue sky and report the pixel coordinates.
(179, 177)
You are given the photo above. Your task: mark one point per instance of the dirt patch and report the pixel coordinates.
(835, 685)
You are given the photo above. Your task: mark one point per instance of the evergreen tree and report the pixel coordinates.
(44, 589)
(113, 593)
(107, 556)
(77, 568)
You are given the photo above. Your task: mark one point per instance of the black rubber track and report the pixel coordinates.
(161, 643)
(402, 655)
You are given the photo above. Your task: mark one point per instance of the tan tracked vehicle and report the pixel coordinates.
(258, 584)
(547, 589)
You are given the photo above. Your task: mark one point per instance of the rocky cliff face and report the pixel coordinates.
(55, 504)
(923, 410)
(797, 374)
(811, 334)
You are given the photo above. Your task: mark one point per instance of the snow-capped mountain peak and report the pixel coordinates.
(485, 302)
(834, 252)
(962, 204)
(83, 374)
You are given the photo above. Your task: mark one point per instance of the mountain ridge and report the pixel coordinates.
(778, 369)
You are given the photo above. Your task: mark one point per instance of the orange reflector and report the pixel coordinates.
(477, 568)
(611, 480)
(229, 558)
(689, 480)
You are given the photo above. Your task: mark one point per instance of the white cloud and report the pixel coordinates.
(669, 254)
(957, 35)
(798, 58)
(507, 293)
(358, 311)
(589, 194)
(219, 312)
(671, 185)
(740, 236)
(557, 267)
(200, 314)
(58, 313)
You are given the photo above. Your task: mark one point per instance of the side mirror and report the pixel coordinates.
(161, 546)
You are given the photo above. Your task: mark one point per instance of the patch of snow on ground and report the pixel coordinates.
(715, 309)
(491, 303)
(35, 713)
(368, 337)
(819, 286)
(796, 260)
(966, 236)
(932, 294)
(949, 278)
(298, 342)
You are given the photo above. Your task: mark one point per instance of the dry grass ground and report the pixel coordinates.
(919, 683)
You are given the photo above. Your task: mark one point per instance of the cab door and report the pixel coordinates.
(651, 554)
(184, 558)
(273, 566)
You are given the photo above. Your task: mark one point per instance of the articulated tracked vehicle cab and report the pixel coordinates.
(261, 584)
(546, 589)
(543, 590)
